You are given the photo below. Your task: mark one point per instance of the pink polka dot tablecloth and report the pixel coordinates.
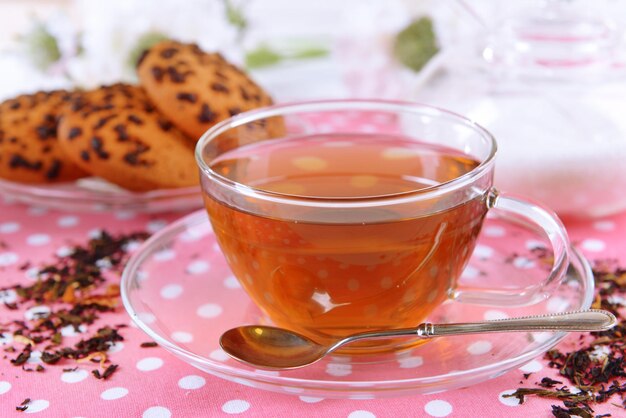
(151, 382)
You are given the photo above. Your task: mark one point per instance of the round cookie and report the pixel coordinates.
(115, 133)
(29, 149)
(195, 89)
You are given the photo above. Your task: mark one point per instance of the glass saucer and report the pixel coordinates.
(179, 290)
(94, 195)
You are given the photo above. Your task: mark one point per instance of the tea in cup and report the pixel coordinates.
(338, 231)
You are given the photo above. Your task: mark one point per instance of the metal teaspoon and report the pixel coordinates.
(275, 348)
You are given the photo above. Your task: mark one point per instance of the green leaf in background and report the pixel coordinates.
(416, 44)
(313, 52)
(235, 16)
(265, 56)
(41, 46)
(145, 42)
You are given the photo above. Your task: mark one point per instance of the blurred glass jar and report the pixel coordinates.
(549, 81)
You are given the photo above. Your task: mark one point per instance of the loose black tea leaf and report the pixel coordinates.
(76, 289)
(23, 406)
(596, 367)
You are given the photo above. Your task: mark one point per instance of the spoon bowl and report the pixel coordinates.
(275, 348)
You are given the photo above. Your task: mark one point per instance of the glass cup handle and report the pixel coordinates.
(545, 221)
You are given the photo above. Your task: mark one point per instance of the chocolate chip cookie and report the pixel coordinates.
(196, 89)
(29, 149)
(116, 133)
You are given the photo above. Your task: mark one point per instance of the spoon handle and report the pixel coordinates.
(590, 320)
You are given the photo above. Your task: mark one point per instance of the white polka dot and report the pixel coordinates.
(191, 382)
(479, 347)
(104, 263)
(95, 233)
(8, 296)
(37, 210)
(541, 337)
(236, 406)
(493, 315)
(361, 414)
(6, 259)
(9, 227)
(67, 221)
(291, 389)
(523, 263)
(593, 245)
(35, 357)
(37, 240)
(209, 310)
(532, 244)
(5, 338)
(156, 225)
(146, 317)
(70, 331)
(508, 401)
(37, 312)
(482, 251)
(386, 283)
(309, 163)
(353, 285)
(470, 272)
(142, 275)
(338, 369)
(156, 412)
(494, 231)
(74, 376)
(438, 408)
(164, 255)
(231, 282)
(191, 235)
(410, 362)
(557, 304)
(64, 251)
(124, 214)
(267, 372)
(198, 267)
(4, 387)
(310, 399)
(171, 291)
(615, 299)
(32, 273)
(182, 337)
(116, 347)
(361, 396)
(149, 364)
(604, 225)
(37, 405)
(114, 393)
(131, 246)
(398, 153)
(531, 367)
(219, 355)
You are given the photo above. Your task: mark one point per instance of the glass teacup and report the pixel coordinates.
(335, 225)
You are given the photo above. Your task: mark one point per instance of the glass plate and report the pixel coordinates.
(93, 195)
(179, 290)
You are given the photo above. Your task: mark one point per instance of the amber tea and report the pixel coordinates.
(344, 272)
